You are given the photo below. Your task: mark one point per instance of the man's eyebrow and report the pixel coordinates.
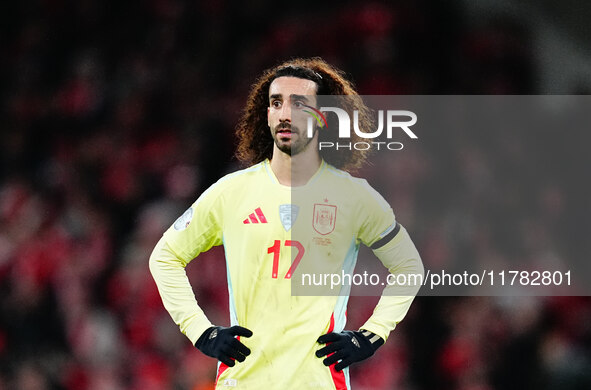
(292, 96)
(299, 97)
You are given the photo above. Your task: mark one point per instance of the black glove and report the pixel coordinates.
(220, 343)
(348, 347)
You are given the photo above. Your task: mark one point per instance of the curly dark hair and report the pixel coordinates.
(255, 141)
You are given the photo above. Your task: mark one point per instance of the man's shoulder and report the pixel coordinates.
(345, 177)
(230, 185)
(246, 174)
(355, 187)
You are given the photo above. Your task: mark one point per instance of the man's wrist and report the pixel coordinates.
(205, 336)
(375, 340)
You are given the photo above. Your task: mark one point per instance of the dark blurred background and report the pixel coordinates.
(116, 115)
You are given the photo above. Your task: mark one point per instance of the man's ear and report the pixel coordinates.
(268, 124)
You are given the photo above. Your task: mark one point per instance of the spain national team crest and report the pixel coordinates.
(288, 214)
(324, 218)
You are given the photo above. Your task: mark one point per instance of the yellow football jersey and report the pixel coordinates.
(271, 235)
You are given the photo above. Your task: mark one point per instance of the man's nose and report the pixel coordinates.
(285, 114)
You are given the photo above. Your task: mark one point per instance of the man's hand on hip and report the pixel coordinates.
(348, 347)
(221, 343)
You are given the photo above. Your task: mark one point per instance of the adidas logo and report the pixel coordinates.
(252, 218)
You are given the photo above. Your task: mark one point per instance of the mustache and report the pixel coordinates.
(286, 125)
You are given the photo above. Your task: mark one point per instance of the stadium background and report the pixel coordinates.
(116, 115)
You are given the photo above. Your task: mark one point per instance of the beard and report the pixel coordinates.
(293, 147)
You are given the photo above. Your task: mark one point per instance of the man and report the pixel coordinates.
(280, 340)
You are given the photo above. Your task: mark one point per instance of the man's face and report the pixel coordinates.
(287, 98)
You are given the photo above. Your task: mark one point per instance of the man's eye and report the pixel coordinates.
(298, 104)
(276, 103)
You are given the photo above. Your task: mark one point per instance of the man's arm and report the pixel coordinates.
(168, 271)
(177, 295)
(398, 253)
(401, 257)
